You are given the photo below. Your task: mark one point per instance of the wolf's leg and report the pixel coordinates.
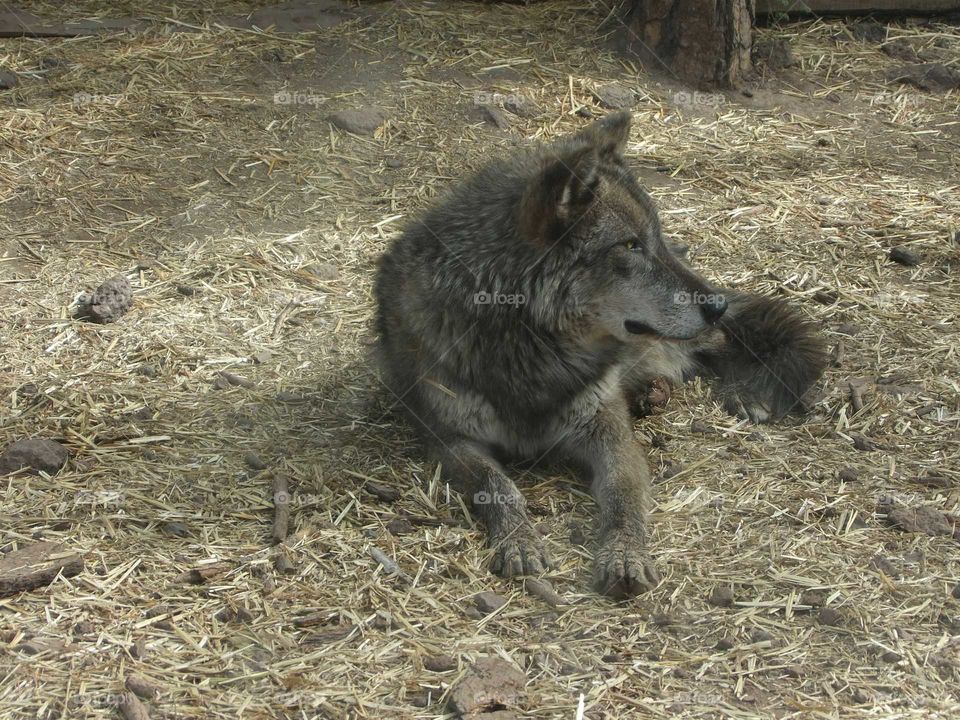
(499, 503)
(767, 357)
(620, 484)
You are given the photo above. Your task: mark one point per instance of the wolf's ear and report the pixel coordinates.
(560, 193)
(610, 133)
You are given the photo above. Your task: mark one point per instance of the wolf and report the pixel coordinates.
(520, 316)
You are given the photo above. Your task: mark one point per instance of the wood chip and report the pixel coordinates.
(36, 565)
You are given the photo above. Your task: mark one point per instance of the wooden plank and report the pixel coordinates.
(856, 7)
(36, 565)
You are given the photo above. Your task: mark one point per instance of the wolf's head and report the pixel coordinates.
(583, 203)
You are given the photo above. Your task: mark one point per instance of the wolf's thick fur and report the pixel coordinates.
(517, 317)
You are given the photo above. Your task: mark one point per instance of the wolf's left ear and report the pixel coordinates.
(609, 134)
(560, 193)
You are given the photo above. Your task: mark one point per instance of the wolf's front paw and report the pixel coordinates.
(622, 567)
(753, 409)
(519, 552)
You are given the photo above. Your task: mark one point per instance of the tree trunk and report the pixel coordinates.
(704, 42)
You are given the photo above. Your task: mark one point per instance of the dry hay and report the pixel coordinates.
(248, 226)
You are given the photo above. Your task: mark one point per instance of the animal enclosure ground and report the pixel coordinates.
(197, 159)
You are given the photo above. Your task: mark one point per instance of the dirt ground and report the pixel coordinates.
(197, 159)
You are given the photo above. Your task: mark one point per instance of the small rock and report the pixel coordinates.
(142, 687)
(862, 443)
(521, 105)
(488, 602)
(323, 271)
(35, 454)
(491, 114)
(286, 396)
(84, 627)
(146, 264)
(923, 519)
(927, 76)
(830, 617)
(891, 657)
(50, 62)
(234, 380)
(577, 535)
(722, 596)
(884, 565)
(760, 636)
(543, 590)
(775, 53)
(904, 256)
(439, 663)
(177, 529)
(274, 55)
(665, 620)
(8, 80)
(794, 671)
(187, 290)
(400, 526)
(491, 684)
(726, 643)
(900, 49)
(149, 371)
(383, 492)
(613, 658)
(848, 329)
(615, 96)
(394, 162)
(254, 461)
(359, 121)
(868, 31)
(933, 479)
(138, 651)
(108, 302)
(39, 646)
(699, 427)
(848, 474)
(951, 623)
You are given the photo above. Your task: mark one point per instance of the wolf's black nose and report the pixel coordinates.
(713, 307)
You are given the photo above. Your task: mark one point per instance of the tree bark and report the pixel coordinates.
(704, 42)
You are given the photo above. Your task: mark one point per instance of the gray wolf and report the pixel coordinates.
(519, 316)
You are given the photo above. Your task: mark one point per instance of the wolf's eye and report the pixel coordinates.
(632, 244)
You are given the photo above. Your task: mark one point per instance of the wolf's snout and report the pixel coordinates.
(713, 307)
